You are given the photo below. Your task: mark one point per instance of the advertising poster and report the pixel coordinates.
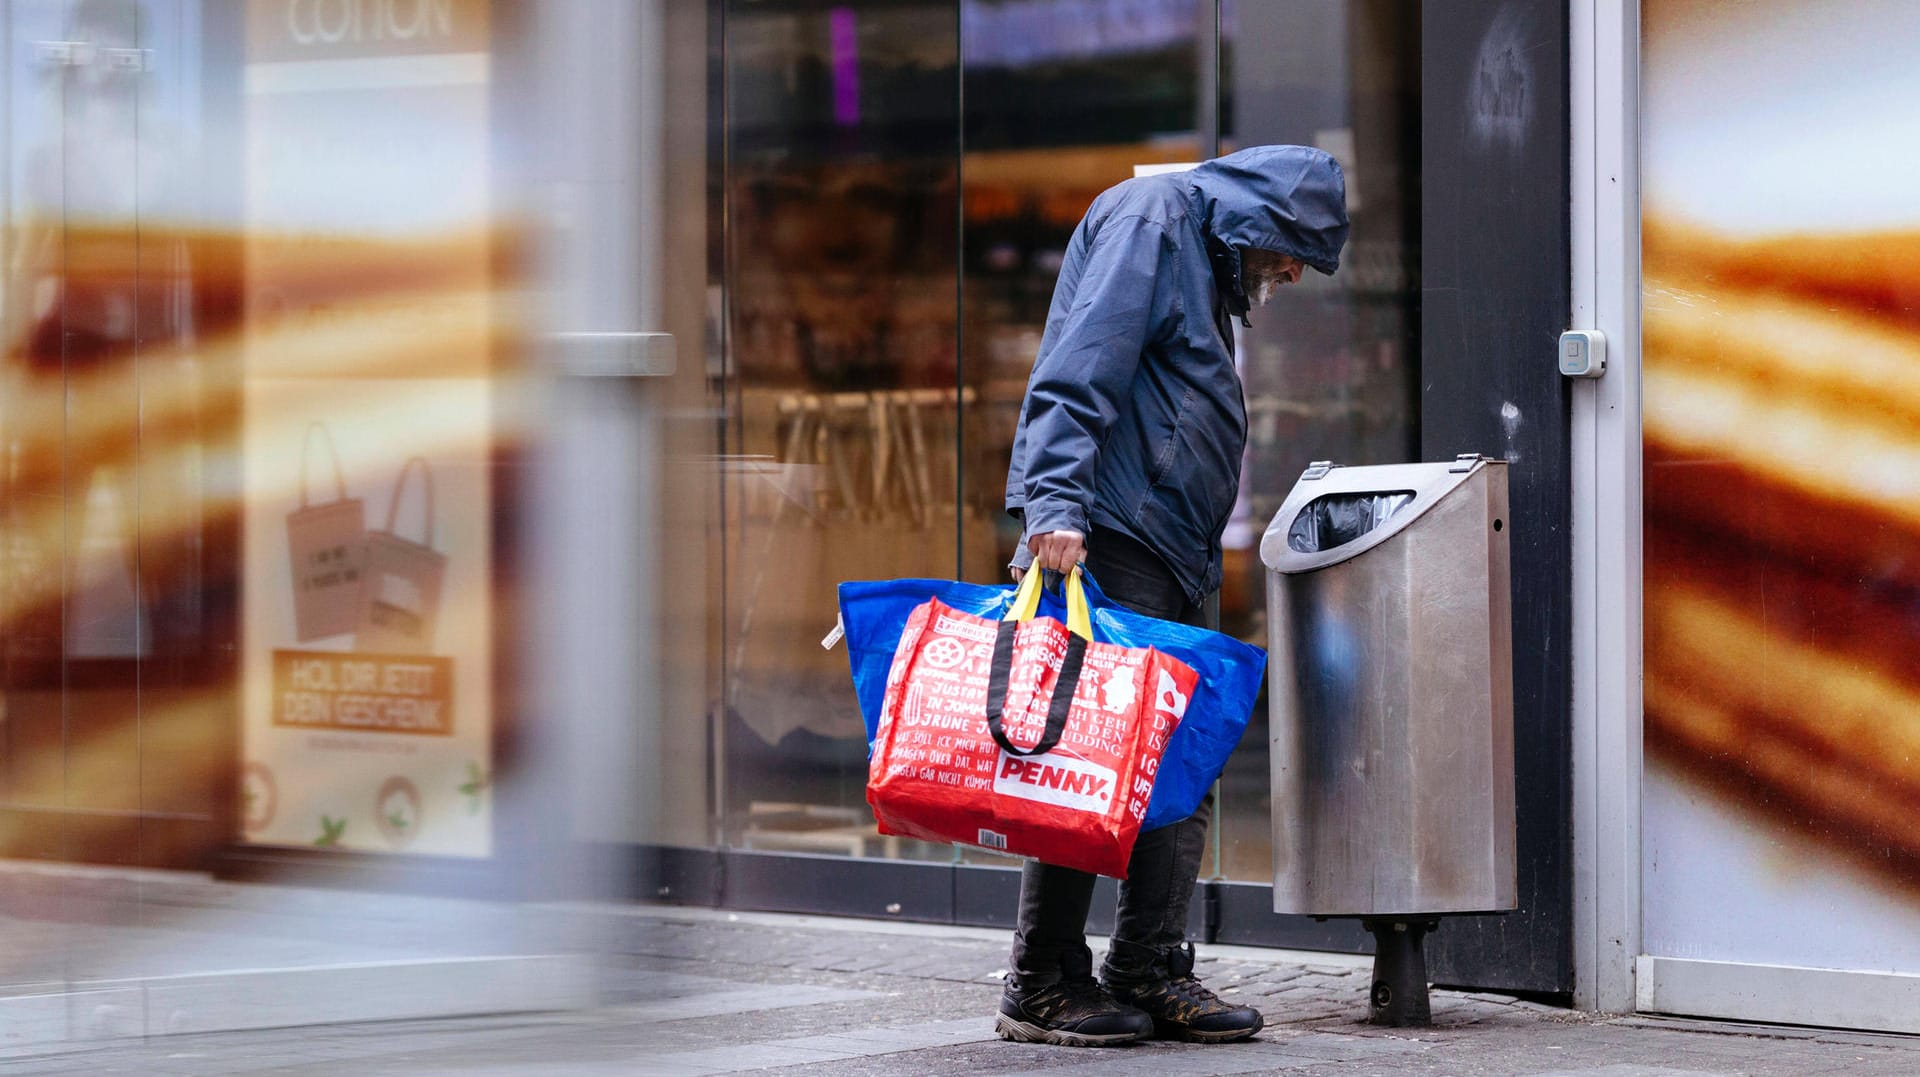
(1782, 437)
(368, 425)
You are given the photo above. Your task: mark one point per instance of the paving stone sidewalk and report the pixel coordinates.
(694, 992)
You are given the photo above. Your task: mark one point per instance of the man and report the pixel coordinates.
(1128, 454)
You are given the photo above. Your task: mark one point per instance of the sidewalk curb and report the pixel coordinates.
(1315, 960)
(90, 1013)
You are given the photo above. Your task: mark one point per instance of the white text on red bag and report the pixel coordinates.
(1023, 738)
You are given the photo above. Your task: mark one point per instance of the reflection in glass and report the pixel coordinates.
(104, 420)
(1058, 108)
(214, 243)
(841, 395)
(1330, 366)
(1063, 99)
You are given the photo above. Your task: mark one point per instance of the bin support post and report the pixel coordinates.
(1399, 995)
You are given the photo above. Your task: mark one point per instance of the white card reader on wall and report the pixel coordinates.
(1583, 353)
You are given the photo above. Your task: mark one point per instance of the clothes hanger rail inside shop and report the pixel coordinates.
(795, 403)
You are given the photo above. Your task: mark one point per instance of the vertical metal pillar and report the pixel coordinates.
(1607, 745)
(593, 592)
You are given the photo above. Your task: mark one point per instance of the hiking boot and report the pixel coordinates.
(1075, 1012)
(1182, 1008)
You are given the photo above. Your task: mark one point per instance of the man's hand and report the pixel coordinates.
(1058, 550)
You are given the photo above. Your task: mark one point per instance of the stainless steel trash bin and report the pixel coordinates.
(1391, 691)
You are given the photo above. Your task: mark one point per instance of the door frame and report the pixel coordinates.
(1604, 99)
(1613, 971)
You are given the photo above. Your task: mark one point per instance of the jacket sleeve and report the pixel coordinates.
(1022, 559)
(1083, 380)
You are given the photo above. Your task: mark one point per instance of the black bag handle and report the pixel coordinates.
(1064, 688)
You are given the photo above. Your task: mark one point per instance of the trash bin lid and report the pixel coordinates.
(1393, 496)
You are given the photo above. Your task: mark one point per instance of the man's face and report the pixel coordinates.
(1263, 272)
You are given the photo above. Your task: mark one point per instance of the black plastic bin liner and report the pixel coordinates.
(1337, 519)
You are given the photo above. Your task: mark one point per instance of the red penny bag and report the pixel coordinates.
(1023, 736)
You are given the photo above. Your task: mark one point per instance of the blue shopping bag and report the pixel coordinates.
(873, 614)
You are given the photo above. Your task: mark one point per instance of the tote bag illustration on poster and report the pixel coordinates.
(326, 544)
(400, 584)
(1024, 736)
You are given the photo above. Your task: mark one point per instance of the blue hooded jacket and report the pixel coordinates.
(1134, 419)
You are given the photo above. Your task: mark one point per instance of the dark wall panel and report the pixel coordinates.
(838, 885)
(1246, 918)
(1494, 298)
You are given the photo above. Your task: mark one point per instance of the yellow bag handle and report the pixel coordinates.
(1026, 603)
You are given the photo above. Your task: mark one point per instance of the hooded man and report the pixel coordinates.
(1128, 457)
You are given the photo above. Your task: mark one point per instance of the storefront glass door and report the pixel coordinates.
(900, 182)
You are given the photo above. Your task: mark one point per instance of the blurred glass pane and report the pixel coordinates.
(104, 421)
(1331, 365)
(842, 399)
(277, 514)
(253, 259)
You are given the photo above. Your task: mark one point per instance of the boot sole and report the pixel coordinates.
(1022, 1032)
(1188, 1035)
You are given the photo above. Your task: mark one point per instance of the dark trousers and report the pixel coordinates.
(1050, 940)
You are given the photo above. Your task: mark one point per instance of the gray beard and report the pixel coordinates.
(1262, 290)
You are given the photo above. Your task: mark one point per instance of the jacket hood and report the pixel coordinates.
(1289, 199)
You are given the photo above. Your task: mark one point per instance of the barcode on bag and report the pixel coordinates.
(990, 840)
